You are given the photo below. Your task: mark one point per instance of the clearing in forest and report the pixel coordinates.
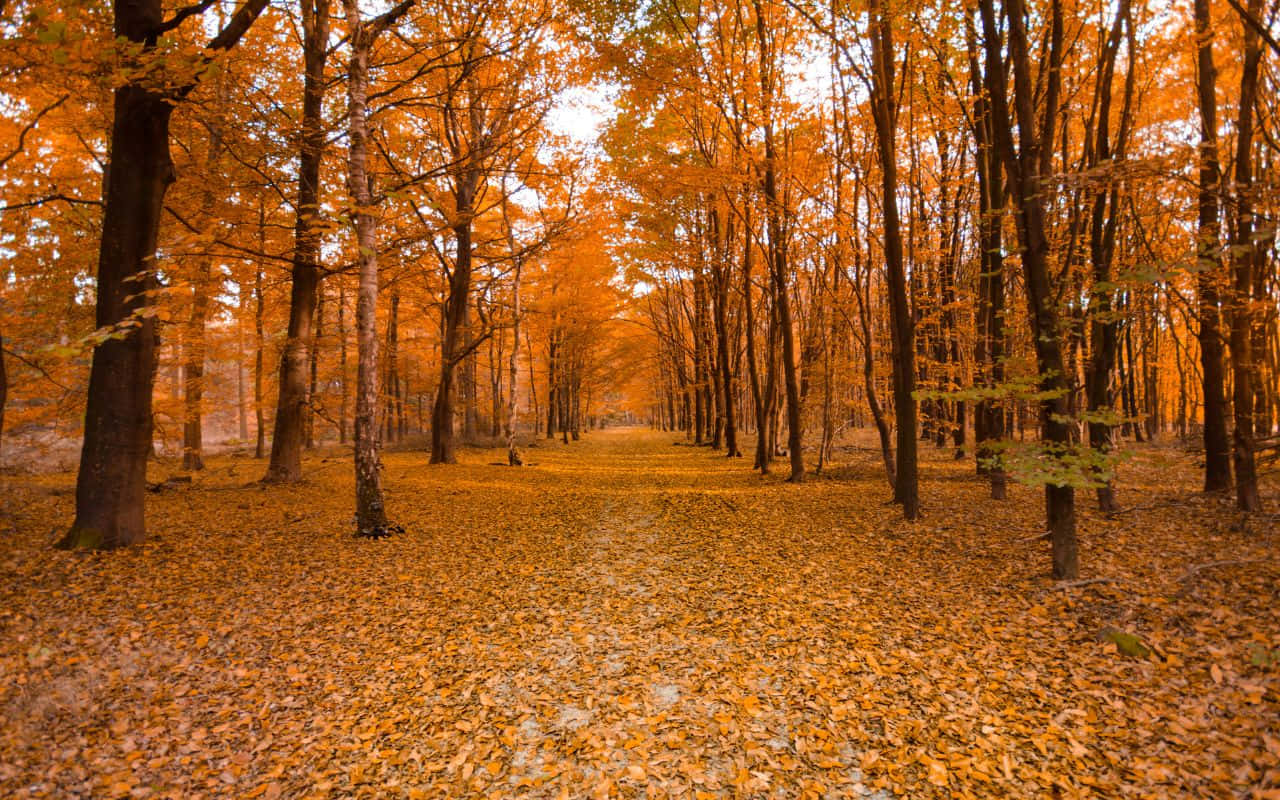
(629, 618)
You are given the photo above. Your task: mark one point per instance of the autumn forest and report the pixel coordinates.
(640, 398)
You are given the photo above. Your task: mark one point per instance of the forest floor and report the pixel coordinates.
(628, 618)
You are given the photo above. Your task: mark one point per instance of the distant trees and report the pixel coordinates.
(812, 218)
(1056, 115)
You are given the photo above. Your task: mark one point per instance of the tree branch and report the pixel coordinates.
(1256, 24)
(180, 16)
(30, 126)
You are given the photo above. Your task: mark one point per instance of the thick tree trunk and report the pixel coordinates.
(292, 405)
(455, 330)
(111, 482)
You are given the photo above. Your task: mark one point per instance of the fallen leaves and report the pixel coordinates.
(630, 619)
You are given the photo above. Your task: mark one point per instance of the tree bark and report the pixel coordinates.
(1102, 237)
(293, 400)
(455, 330)
(1023, 166)
(260, 448)
(1244, 257)
(905, 486)
(111, 482)
(371, 515)
(778, 262)
(194, 341)
(720, 276)
(989, 416)
(1217, 459)
(4, 396)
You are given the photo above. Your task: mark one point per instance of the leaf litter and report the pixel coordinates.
(629, 619)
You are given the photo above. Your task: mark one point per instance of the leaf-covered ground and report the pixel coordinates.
(629, 618)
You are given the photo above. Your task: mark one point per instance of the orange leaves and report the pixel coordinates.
(626, 619)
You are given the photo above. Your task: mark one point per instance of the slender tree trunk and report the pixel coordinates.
(1023, 167)
(293, 399)
(552, 404)
(1244, 258)
(1217, 459)
(371, 516)
(513, 393)
(989, 416)
(260, 448)
(201, 287)
(4, 397)
(720, 310)
(313, 371)
(344, 410)
(242, 399)
(753, 369)
(1102, 237)
(883, 429)
(905, 486)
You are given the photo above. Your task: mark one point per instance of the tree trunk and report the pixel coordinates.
(513, 393)
(989, 416)
(753, 369)
(117, 437)
(289, 434)
(371, 516)
(455, 331)
(242, 399)
(720, 311)
(313, 371)
(1217, 459)
(343, 408)
(905, 486)
(1102, 238)
(392, 381)
(4, 397)
(260, 447)
(1023, 167)
(1244, 257)
(194, 341)
(111, 482)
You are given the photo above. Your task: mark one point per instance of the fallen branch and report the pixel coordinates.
(1085, 582)
(1193, 571)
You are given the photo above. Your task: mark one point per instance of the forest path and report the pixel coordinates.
(627, 617)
